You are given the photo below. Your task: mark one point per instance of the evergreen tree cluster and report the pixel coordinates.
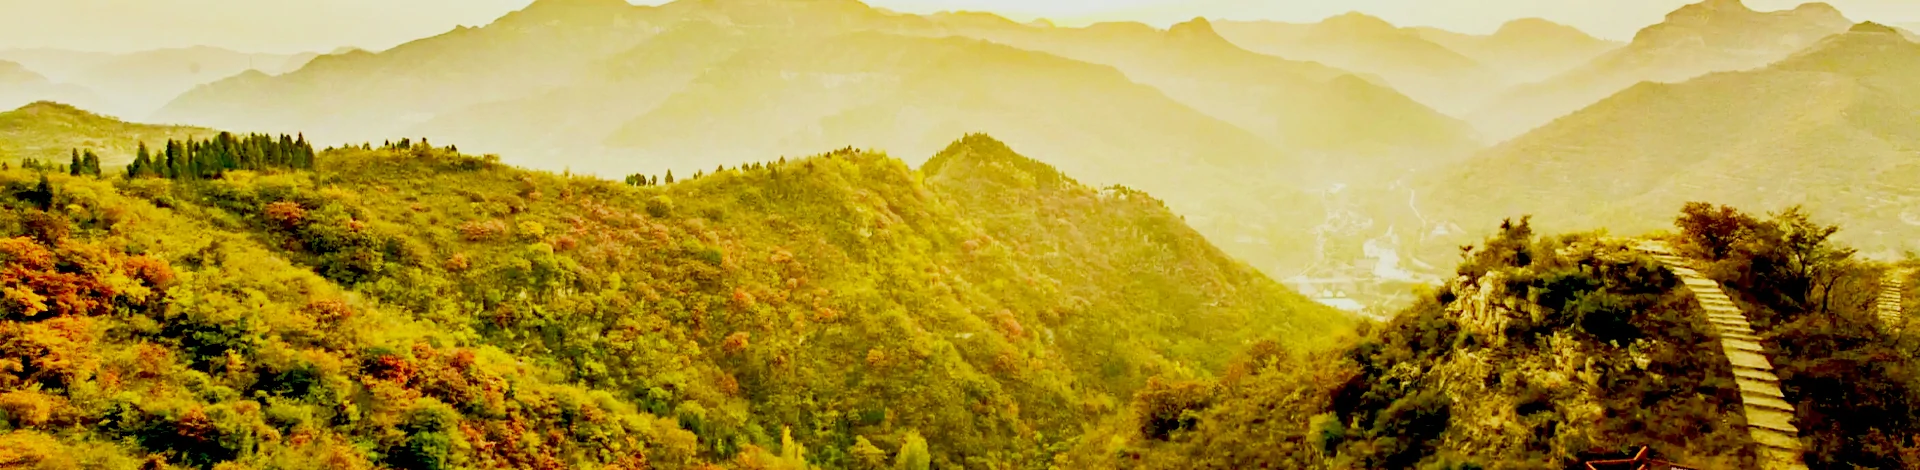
(84, 163)
(210, 158)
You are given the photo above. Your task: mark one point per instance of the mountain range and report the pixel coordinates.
(1525, 50)
(19, 86)
(1427, 71)
(1701, 38)
(1829, 128)
(134, 85)
(1347, 126)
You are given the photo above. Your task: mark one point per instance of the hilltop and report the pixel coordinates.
(1526, 50)
(1429, 72)
(1824, 128)
(1698, 39)
(49, 132)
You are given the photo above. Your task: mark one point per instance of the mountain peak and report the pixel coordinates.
(1357, 22)
(564, 10)
(1531, 27)
(980, 157)
(1196, 29)
(1873, 28)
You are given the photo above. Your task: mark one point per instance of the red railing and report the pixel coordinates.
(1640, 461)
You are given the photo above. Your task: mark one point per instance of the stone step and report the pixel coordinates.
(1775, 439)
(1750, 386)
(1734, 324)
(1769, 458)
(1762, 401)
(1748, 360)
(1772, 420)
(1756, 374)
(1742, 345)
(1741, 336)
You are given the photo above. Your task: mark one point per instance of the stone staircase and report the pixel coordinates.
(1892, 289)
(1769, 415)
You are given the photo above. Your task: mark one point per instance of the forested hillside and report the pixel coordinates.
(403, 305)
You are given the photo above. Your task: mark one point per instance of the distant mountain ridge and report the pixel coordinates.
(1427, 71)
(20, 86)
(1527, 49)
(1829, 127)
(1299, 106)
(1710, 36)
(136, 84)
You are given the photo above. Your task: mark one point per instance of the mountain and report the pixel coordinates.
(1706, 37)
(1825, 128)
(568, 125)
(876, 90)
(1347, 127)
(550, 44)
(363, 95)
(1525, 50)
(1424, 70)
(49, 132)
(19, 86)
(56, 64)
(408, 306)
(135, 84)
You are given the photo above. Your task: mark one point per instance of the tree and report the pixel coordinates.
(43, 193)
(90, 164)
(74, 168)
(913, 453)
(1714, 230)
(142, 163)
(1808, 255)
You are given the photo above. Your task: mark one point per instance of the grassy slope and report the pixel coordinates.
(49, 132)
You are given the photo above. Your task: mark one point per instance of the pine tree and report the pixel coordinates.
(43, 193)
(90, 164)
(142, 162)
(73, 169)
(669, 176)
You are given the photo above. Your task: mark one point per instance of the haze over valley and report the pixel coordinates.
(792, 234)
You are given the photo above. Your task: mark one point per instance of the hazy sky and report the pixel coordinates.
(322, 25)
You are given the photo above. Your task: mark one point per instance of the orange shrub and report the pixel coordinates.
(287, 214)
